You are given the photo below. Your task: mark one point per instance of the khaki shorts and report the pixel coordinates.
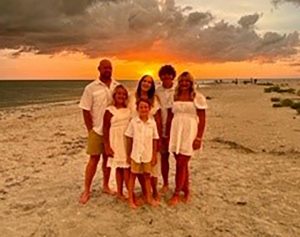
(95, 143)
(140, 168)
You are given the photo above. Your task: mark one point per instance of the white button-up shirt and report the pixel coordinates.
(143, 134)
(96, 97)
(166, 98)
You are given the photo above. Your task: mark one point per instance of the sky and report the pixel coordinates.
(62, 39)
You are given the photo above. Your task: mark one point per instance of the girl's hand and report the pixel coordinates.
(154, 160)
(197, 143)
(108, 151)
(128, 160)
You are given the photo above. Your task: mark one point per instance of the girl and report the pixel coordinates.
(187, 127)
(142, 137)
(116, 119)
(146, 90)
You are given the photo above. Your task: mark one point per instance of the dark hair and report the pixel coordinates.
(143, 100)
(167, 69)
(151, 91)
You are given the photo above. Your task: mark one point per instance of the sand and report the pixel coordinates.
(246, 181)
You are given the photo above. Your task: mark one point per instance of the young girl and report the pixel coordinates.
(142, 139)
(116, 119)
(187, 129)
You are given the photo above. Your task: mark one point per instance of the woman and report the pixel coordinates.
(186, 126)
(146, 90)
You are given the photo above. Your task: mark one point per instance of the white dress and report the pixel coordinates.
(184, 125)
(119, 123)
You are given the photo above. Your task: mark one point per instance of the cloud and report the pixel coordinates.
(276, 2)
(141, 29)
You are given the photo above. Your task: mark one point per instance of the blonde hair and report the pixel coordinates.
(120, 86)
(185, 75)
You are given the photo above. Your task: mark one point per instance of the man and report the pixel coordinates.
(96, 97)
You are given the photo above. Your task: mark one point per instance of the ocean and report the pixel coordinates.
(25, 92)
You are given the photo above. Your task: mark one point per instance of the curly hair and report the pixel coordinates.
(185, 75)
(167, 69)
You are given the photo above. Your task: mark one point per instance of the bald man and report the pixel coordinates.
(96, 97)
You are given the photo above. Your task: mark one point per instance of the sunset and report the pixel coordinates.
(60, 40)
(150, 118)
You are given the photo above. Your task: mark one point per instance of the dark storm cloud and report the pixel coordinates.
(116, 27)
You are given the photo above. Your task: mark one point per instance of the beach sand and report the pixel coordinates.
(246, 181)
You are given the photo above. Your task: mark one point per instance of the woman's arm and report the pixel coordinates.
(169, 122)
(201, 125)
(106, 127)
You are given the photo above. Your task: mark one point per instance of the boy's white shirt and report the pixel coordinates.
(166, 98)
(142, 134)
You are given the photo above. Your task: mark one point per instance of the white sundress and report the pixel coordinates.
(119, 123)
(184, 125)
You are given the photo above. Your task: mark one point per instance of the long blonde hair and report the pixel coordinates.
(185, 75)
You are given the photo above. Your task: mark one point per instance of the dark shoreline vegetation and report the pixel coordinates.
(292, 102)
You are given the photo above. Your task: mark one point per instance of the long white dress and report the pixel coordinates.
(119, 123)
(184, 125)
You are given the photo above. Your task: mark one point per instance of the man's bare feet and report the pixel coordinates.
(174, 200)
(84, 197)
(164, 189)
(108, 191)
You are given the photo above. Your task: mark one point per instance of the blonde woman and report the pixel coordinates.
(186, 122)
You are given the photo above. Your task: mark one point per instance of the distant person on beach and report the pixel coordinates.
(116, 120)
(146, 90)
(96, 97)
(165, 93)
(142, 136)
(187, 120)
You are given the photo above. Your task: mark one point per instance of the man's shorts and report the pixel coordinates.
(140, 168)
(95, 144)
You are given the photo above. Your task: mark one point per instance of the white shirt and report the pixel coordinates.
(143, 134)
(96, 97)
(166, 98)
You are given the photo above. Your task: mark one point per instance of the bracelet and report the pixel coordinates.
(198, 139)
